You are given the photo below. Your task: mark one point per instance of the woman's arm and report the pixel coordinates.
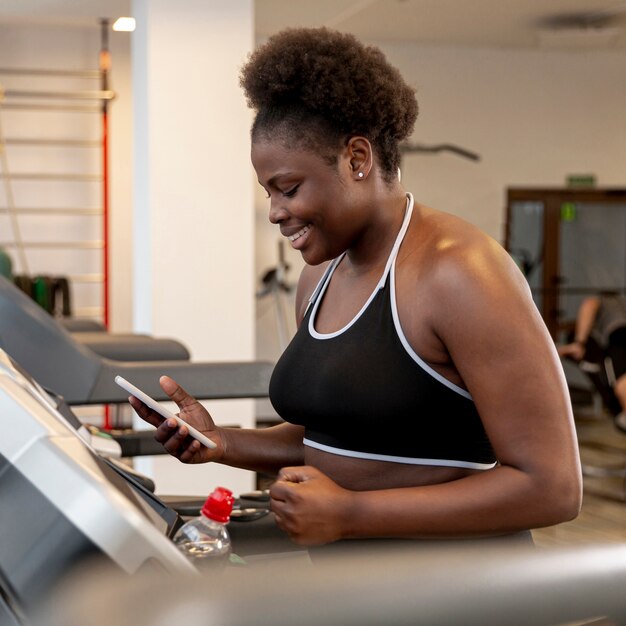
(485, 318)
(584, 323)
(263, 450)
(586, 317)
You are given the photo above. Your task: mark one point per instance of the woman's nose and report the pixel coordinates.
(277, 213)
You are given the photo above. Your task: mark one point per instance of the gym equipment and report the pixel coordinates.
(82, 325)
(60, 502)
(131, 347)
(596, 365)
(425, 586)
(597, 368)
(274, 282)
(27, 91)
(6, 264)
(123, 346)
(62, 364)
(410, 148)
(64, 506)
(52, 293)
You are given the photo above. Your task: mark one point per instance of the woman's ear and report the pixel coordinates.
(359, 152)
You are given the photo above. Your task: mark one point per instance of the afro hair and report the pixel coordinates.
(319, 87)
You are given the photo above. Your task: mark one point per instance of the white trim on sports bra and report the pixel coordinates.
(397, 459)
(318, 294)
(407, 346)
(320, 289)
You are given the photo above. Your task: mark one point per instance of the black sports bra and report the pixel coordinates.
(363, 391)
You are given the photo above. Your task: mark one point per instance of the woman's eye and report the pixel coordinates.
(291, 192)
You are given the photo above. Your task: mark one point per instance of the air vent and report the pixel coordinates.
(583, 31)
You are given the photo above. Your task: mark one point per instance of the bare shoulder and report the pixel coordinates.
(455, 281)
(457, 259)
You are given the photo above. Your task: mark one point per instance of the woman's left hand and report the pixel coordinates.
(309, 506)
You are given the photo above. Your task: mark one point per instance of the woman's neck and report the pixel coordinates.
(371, 250)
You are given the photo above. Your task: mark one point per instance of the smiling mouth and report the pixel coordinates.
(299, 233)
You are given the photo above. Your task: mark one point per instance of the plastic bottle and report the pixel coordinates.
(205, 539)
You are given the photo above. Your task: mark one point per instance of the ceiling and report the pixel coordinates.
(559, 24)
(489, 23)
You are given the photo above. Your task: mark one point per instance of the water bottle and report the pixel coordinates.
(205, 539)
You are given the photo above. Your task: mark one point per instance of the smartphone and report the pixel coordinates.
(161, 410)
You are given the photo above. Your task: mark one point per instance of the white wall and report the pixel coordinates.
(193, 243)
(534, 117)
(193, 196)
(121, 185)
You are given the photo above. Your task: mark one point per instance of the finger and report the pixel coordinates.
(166, 430)
(189, 454)
(287, 482)
(170, 436)
(179, 440)
(281, 513)
(279, 491)
(176, 392)
(288, 526)
(145, 412)
(280, 521)
(296, 474)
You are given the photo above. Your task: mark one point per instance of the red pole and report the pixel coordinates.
(105, 214)
(105, 66)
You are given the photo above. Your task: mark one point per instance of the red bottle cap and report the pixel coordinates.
(219, 505)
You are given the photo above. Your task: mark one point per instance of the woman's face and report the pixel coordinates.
(314, 203)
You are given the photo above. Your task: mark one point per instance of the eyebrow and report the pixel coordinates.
(274, 178)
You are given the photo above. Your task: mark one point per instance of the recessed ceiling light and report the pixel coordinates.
(126, 24)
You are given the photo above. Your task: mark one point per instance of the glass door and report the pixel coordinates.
(570, 243)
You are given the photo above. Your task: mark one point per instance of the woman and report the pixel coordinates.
(422, 394)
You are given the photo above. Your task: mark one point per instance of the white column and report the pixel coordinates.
(193, 224)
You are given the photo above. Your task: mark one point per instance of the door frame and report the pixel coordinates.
(552, 199)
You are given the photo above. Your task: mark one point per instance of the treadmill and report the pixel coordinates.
(63, 504)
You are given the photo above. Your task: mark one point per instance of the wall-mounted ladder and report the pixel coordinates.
(54, 199)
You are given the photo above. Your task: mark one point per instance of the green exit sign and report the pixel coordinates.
(581, 180)
(568, 211)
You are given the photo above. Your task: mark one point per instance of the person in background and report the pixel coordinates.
(603, 319)
(422, 395)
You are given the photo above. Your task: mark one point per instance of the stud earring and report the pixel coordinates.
(361, 174)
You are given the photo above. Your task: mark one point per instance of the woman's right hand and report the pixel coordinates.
(176, 439)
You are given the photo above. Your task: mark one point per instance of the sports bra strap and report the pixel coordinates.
(399, 239)
(322, 281)
(392, 257)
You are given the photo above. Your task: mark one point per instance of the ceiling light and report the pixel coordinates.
(126, 24)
